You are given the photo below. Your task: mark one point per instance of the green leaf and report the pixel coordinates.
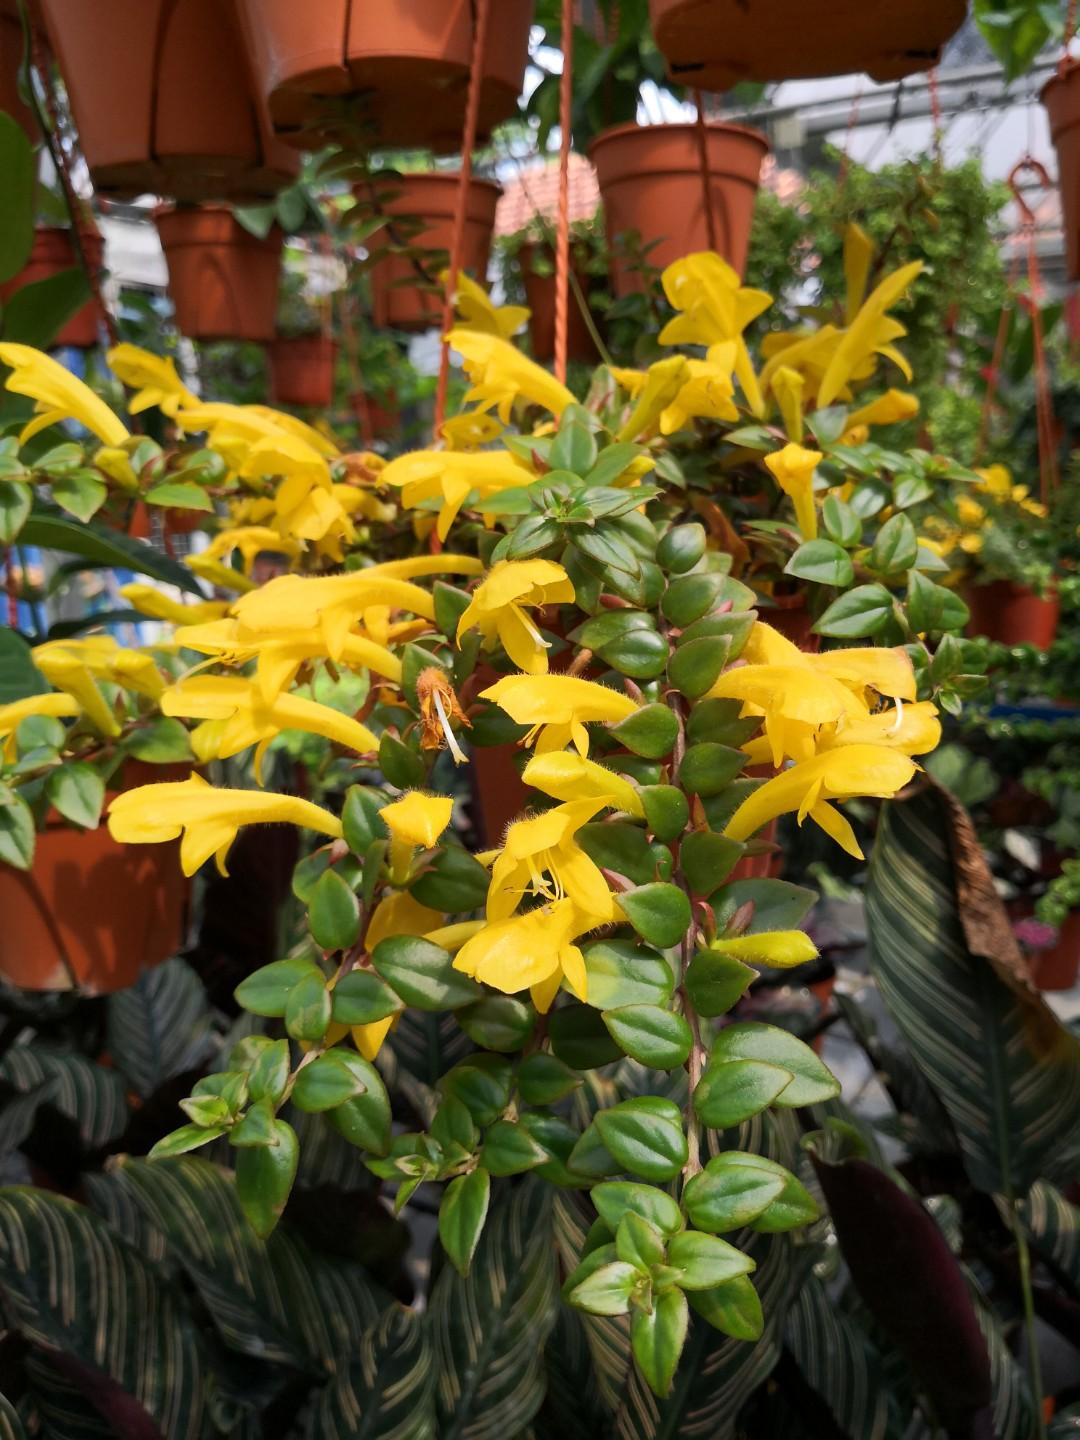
(657, 1038)
(620, 848)
(269, 1075)
(158, 1027)
(400, 765)
(612, 462)
(333, 913)
(360, 818)
(933, 608)
(90, 1096)
(658, 1338)
(78, 792)
(589, 1158)
(180, 495)
(706, 1261)
(326, 1083)
(841, 522)
(19, 676)
(822, 562)
(707, 859)
(264, 1178)
(716, 982)
(161, 741)
(690, 597)
(707, 768)
(681, 548)
(17, 837)
(574, 449)
(638, 652)
(696, 664)
(616, 1198)
(659, 913)
(54, 531)
(361, 998)
(607, 1290)
(733, 1307)
(462, 1214)
(453, 881)
(498, 1022)
(391, 1385)
(731, 1197)
(364, 1121)
(267, 990)
(896, 547)
(543, 1079)
(307, 1010)
(423, 974)
(37, 312)
(1004, 1067)
(793, 1207)
(737, 1091)
(860, 612)
(15, 504)
(509, 1149)
(187, 1138)
(778, 905)
(205, 1110)
(667, 810)
(651, 731)
(256, 1128)
(17, 214)
(645, 1135)
(750, 1040)
(622, 972)
(580, 1038)
(639, 1242)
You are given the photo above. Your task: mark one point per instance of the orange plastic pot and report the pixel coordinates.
(1013, 614)
(92, 913)
(11, 55)
(394, 73)
(223, 280)
(540, 298)
(650, 181)
(713, 44)
(1061, 96)
(302, 370)
(378, 420)
(1058, 967)
(164, 99)
(399, 297)
(53, 250)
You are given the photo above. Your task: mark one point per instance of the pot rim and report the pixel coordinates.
(726, 127)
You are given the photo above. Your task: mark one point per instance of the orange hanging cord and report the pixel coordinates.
(468, 145)
(562, 237)
(701, 129)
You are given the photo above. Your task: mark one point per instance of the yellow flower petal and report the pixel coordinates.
(418, 818)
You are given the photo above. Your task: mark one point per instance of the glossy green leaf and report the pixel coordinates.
(616, 1198)
(737, 1091)
(36, 313)
(17, 218)
(509, 1149)
(657, 1038)
(256, 1127)
(360, 818)
(607, 1290)
(400, 765)
(264, 1178)
(163, 740)
(730, 1197)
(185, 1139)
(333, 913)
(733, 1307)
(716, 982)
(54, 531)
(307, 1010)
(751, 1040)
(423, 974)
(15, 503)
(364, 1121)
(707, 767)
(580, 1038)
(325, 1083)
(452, 881)
(681, 548)
(645, 1135)
(78, 792)
(269, 1075)
(498, 1022)
(667, 811)
(659, 913)
(543, 1079)
(462, 1214)
(658, 1337)
(822, 562)
(651, 731)
(696, 665)
(267, 990)
(705, 1261)
(707, 859)
(857, 613)
(17, 836)
(639, 1242)
(896, 547)
(622, 972)
(361, 998)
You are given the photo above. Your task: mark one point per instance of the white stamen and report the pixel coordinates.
(894, 728)
(460, 758)
(531, 628)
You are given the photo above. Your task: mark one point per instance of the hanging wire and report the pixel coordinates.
(468, 145)
(702, 132)
(562, 237)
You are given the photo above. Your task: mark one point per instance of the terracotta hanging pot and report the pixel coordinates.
(53, 250)
(540, 298)
(1061, 96)
(650, 182)
(1058, 967)
(400, 299)
(713, 44)
(379, 420)
(11, 58)
(1013, 614)
(385, 74)
(223, 280)
(92, 913)
(164, 99)
(302, 371)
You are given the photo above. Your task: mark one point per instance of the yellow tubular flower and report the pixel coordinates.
(858, 253)
(59, 706)
(59, 394)
(558, 707)
(153, 377)
(330, 604)
(565, 775)
(788, 386)
(663, 382)
(278, 660)
(501, 375)
(887, 409)
(868, 334)
(451, 476)
(208, 818)
(911, 729)
(476, 310)
(248, 719)
(534, 951)
(707, 393)
(222, 577)
(470, 431)
(541, 857)
(252, 541)
(498, 609)
(75, 666)
(717, 308)
(152, 602)
(794, 700)
(793, 468)
(418, 818)
(841, 774)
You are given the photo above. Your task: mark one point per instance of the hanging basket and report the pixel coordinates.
(164, 101)
(424, 206)
(1061, 96)
(302, 371)
(651, 182)
(714, 44)
(223, 280)
(1013, 614)
(392, 74)
(540, 298)
(92, 913)
(53, 250)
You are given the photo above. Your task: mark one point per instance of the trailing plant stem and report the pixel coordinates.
(1023, 1255)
